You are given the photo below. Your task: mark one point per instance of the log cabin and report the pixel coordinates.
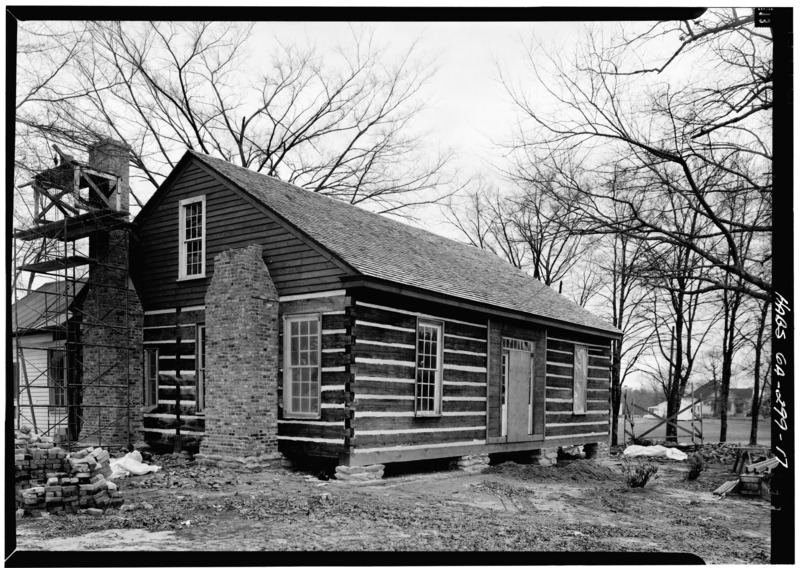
(277, 319)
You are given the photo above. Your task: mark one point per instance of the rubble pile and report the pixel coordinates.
(722, 453)
(47, 479)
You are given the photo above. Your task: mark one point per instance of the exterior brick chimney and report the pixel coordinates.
(241, 386)
(111, 326)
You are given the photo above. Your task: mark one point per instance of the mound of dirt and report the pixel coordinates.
(574, 470)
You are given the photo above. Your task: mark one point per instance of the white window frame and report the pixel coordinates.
(182, 267)
(200, 368)
(437, 401)
(288, 412)
(149, 379)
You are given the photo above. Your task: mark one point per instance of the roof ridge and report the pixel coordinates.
(361, 210)
(381, 247)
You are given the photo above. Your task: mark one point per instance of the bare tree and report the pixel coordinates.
(759, 341)
(702, 137)
(680, 314)
(345, 123)
(484, 219)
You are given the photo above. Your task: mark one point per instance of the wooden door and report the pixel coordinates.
(519, 400)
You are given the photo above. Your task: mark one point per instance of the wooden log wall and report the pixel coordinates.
(384, 351)
(326, 436)
(159, 425)
(561, 424)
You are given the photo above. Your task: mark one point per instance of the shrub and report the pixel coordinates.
(637, 474)
(696, 465)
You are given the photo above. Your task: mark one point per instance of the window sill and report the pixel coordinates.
(428, 415)
(303, 417)
(192, 277)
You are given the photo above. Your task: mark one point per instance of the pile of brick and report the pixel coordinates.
(36, 459)
(47, 479)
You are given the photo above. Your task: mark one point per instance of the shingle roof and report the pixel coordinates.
(44, 307)
(380, 247)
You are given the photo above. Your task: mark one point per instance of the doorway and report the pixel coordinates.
(517, 393)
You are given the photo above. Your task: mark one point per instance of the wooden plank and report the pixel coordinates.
(574, 429)
(566, 406)
(407, 422)
(386, 371)
(559, 357)
(419, 437)
(461, 344)
(384, 351)
(462, 359)
(302, 448)
(375, 315)
(305, 430)
(580, 383)
(574, 418)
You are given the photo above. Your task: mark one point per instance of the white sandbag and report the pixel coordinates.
(131, 464)
(654, 452)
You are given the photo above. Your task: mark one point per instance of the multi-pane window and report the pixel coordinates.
(192, 237)
(57, 376)
(150, 377)
(428, 398)
(201, 367)
(302, 366)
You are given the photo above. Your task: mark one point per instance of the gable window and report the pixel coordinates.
(201, 367)
(192, 238)
(580, 370)
(301, 390)
(428, 399)
(150, 377)
(57, 376)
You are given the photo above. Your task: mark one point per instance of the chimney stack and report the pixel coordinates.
(112, 156)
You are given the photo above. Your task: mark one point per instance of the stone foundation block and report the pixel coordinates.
(597, 450)
(359, 473)
(473, 463)
(249, 463)
(545, 456)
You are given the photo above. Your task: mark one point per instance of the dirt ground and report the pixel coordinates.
(577, 505)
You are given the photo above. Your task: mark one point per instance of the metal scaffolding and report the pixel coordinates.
(53, 327)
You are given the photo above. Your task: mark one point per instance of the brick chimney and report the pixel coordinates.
(112, 156)
(241, 357)
(111, 326)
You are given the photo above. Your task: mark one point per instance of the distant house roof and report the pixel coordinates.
(708, 389)
(44, 308)
(379, 247)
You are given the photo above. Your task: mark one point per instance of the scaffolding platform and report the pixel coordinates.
(48, 266)
(77, 227)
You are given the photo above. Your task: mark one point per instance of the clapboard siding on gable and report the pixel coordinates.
(561, 421)
(231, 222)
